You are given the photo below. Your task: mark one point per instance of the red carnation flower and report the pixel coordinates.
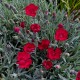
(44, 44)
(17, 29)
(54, 54)
(78, 76)
(47, 64)
(31, 10)
(35, 27)
(29, 47)
(24, 60)
(22, 24)
(61, 34)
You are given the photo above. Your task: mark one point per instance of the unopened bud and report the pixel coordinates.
(32, 40)
(66, 44)
(42, 71)
(22, 24)
(66, 15)
(73, 72)
(47, 22)
(43, 78)
(15, 37)
(7, 5)
(47, 12)
(27, 31)
(57, 66)
(54, 14)
(14, 75)
(60, 25)
(13, 8)
(17, 29)
(67, 54)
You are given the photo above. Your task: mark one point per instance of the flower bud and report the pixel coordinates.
(14, 75)
(47, 21)
(60, 25)
(17, 29)
(0, 1)
(15, 37)
(13, 9)
(54, 14)
(8, 46)
(41, 71)
(67, 54)
(22, 24)
(66, 15)
(66, 44)
(27, 31)
(47, 12)
(7, 5)
(57, 66)
(73, 72)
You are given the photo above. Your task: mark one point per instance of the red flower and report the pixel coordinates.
(31, 10)
(47, 64)
(61, 34)
(22, 24)
(44, 44)
(78, 76)
(54, 54)
(24, 60)
(35, 27)
(17, 29)
(29, 47)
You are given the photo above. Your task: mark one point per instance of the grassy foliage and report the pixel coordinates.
(72, 7)
(11, 14)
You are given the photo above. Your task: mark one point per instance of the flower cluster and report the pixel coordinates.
(24, 58)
